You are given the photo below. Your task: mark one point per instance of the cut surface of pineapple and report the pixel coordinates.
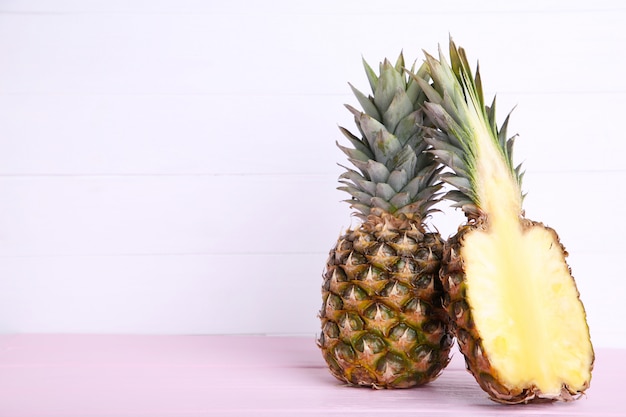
(526, 306)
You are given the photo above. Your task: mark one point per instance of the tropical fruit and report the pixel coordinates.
(515, 307)
(383, 324)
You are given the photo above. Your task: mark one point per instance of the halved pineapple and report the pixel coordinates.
(518, 317)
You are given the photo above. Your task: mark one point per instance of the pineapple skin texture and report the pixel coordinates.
(383, 324)
(457, 305)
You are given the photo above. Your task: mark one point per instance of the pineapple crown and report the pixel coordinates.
(456, 106)
(393, 172)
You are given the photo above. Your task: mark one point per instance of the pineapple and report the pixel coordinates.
(515, 307)
(383, 324)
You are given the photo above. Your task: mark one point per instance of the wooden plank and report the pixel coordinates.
(162, 294)
(109, 215)
(231, 134)
(323, 6)
(220, 51)
(171, 134)
(239, 376)
(147, 215)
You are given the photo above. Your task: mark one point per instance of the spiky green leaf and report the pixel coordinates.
(389, 83)
(354, 153)
(377, 172)
(382, 204)
(362, 197)
(371, 75)
(385, 191)
(400, 200)
(398, 179)
(366, 103)
(409, 126)
(356, 142)
(400, 107)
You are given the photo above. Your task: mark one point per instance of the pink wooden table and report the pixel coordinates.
(189, 376)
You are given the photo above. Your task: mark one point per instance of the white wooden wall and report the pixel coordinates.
(170, 166)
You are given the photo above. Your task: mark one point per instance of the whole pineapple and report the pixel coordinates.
(383, 325)
(517, 314)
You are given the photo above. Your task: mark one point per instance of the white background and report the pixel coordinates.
(170, 166)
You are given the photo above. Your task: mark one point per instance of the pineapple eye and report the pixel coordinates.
(356, 258)
(423, 254)
(352, 322)
(404, 239)
(432, 327)
(402, 331)
(395, 288)
(406, 266)
(373, 274)
(427, 260)
(384, 250)
(460, 308)
(404, 245)
(378, 311)
(339, 275)
(422, 353)
(370, 343)
(344, 352)
(431, 239)
(364, 242)
(463, 337)
(334, 302)
(331, 330)
(425, 281)
(344, 245)
(417, 307)
(354, 293)
(391, 363)
(446, 341)
(455, 279)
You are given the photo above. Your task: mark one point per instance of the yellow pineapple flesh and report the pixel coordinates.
(526, 307)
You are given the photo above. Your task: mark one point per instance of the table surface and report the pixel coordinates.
(189, 376)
